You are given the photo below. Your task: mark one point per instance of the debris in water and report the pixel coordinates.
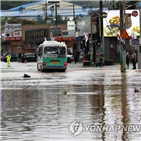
(65, 92)
(136, 90)
(26, 75)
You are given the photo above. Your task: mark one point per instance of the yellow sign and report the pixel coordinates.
(124, 35)
(54, 63)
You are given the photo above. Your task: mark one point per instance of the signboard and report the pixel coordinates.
(113, 21)
(135, 41)
(52, 39)
(120, 39)
(70, 25)
(95, 22)
(124, 35)
(135, 13)
(37, 34)
(68, 33)
(83, 26)
(104, 15)
(56, 31)
(13, 32)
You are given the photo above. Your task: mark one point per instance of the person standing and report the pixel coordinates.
(23, 58)
(101, 58)
(127, 59)
(19, 57)
(8, 60)
(134, 59)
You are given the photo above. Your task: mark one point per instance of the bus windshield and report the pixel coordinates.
(55, 50)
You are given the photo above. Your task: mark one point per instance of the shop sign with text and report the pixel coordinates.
(13, 32)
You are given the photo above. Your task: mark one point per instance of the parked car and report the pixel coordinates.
(29, 57)
(14, 57)
(70, 58)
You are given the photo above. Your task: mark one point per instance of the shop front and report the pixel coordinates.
(33, 38)
(111, 26)
(86, 27)
(12, 41)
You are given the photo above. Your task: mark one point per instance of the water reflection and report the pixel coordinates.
(37, 110)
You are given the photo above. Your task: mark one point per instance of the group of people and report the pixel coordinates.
(134, 59)
(21, 58)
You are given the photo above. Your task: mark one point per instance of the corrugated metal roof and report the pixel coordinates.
(36, 9)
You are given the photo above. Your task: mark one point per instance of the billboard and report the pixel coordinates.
(70, 25)
(83, 26)
(112, 23)
(37, 34)
(56, 31)
(13, 32)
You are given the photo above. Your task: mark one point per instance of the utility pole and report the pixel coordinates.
(56, 12)
(122, 27)
(91, 41)
(55, 8)
(101, 27)
(46, 11)
(139, 50)
(73, 13)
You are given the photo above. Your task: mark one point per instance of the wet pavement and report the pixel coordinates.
(70, 106)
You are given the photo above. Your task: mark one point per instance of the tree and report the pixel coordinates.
(15, 20)
(129, 5)
(11, 4)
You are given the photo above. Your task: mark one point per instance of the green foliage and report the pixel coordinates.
(4, 20)
(65, 92)
(94, 4)
(131, 4)
(15, 20)
(11, 4)
(28, 22)
(87, 55)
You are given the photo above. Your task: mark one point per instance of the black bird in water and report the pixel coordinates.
(25, 75)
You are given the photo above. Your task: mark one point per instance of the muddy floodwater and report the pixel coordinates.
(88, 105)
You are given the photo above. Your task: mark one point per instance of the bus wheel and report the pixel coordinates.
(38, 68)
(68, 60)
(42, 69)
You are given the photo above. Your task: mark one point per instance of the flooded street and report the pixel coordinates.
(86, 104)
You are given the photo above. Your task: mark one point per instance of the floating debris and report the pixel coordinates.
(65, 92)
(26, 75)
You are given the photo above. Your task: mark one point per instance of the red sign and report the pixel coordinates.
(135, 13)
(72, 41)
(124, 35)
(13, 38)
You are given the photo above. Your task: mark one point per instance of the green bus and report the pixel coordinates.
(52, 55)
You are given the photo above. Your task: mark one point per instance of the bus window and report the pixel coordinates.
(62, 50)
(55, 50)
(40, 51)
